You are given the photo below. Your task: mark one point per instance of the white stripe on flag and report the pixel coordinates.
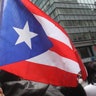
(53, 31)
(51, 58)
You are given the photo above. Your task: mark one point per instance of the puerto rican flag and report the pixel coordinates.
(35, 47)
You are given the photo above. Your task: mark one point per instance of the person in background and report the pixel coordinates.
(91, 69)
(91, 87)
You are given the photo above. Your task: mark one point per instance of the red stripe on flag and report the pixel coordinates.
(50, 75)
(63, 50)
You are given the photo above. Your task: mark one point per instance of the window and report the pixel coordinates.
(85, 52)
(78, 23)
(76, 37)
(93, 35)
(47, 6)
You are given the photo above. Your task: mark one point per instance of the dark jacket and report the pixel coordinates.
(73, 91)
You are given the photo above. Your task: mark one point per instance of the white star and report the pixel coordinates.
(25, 35)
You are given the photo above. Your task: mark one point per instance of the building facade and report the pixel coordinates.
(78, 17)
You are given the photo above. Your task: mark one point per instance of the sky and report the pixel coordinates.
(86, 1)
